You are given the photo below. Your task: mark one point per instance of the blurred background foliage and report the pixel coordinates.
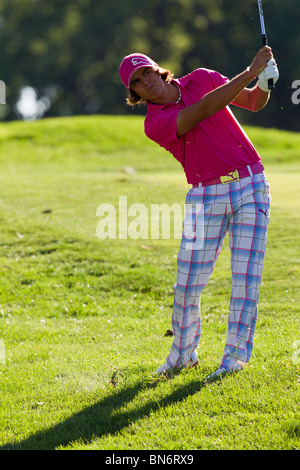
(68, 52)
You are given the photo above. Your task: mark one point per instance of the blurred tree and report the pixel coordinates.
(69, 52)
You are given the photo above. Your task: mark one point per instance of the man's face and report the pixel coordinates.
(148, 84)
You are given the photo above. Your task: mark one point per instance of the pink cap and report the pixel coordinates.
(131, 64)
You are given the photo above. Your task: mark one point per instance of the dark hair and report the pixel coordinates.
(134, 99)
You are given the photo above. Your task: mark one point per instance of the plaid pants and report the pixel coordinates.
(242, 209)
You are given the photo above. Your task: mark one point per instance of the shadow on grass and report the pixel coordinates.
(103, 418)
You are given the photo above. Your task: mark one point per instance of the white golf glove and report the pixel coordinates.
(271, 71)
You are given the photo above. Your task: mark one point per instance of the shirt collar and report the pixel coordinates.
(182, 82)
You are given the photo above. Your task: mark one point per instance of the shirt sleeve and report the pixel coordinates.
(211, 77)
(161, 127)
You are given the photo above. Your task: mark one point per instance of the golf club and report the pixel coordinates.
(264, 36)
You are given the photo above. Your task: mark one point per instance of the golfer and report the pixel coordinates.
(190, 118)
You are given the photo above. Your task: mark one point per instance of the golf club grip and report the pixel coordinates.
(265, 40)
(270, 81)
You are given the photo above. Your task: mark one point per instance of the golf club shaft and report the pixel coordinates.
(264, 36)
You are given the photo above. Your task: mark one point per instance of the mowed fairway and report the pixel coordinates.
(83, 320)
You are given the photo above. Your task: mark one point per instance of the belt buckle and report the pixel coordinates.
(230, 178)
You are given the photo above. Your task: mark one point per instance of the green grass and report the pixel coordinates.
(83, 319)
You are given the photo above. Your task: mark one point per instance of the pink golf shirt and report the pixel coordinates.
(214, 147)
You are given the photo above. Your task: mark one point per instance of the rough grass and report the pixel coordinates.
(83, 320)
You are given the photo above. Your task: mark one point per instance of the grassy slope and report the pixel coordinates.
(83, 320)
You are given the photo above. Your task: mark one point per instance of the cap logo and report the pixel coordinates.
(139, 61)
